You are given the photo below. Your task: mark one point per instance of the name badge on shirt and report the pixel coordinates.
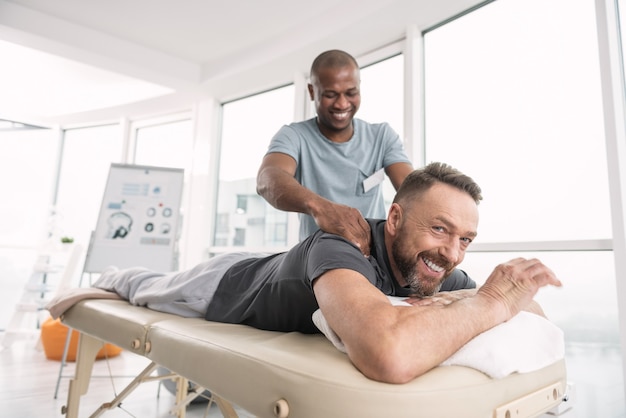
(373, 180)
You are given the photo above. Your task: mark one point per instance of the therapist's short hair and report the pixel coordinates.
(333, 58)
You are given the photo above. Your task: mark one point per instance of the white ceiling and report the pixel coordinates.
(80, 55)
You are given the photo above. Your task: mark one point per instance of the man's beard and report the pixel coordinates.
(407, 265)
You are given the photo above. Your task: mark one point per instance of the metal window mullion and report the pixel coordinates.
(612, 81)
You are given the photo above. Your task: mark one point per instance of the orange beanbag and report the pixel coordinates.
(53, 336)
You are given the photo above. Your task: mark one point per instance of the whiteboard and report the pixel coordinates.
(139, 220)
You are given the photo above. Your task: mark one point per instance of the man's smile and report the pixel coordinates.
(431, 265)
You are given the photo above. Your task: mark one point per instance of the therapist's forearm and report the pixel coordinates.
(282, 191)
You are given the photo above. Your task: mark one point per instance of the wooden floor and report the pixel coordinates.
(28, 380)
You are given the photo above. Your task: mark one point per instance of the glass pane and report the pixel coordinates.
(16, 268)
(513, 99)
(382, 100)
(248, 125)
(621, 7)
(165, 145)
(382, 93)
(87, 157)
(28, 164)
(585, 308)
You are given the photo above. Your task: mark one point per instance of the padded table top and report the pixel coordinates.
(256, 369)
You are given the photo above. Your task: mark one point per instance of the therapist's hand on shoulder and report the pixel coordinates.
(347, 222)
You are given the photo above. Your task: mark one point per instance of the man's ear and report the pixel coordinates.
(311, 91)
(394, 219)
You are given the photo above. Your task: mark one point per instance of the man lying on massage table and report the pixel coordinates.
(431, 223)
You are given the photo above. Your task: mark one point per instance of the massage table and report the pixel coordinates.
(279, 375)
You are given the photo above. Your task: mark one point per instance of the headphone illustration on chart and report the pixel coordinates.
(119, 225)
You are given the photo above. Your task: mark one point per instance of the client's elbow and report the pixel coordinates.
(388, 363)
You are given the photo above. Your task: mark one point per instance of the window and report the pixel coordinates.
(242, 204)
(621, 9)
(513, 99)
(87, 157)
(28, 164)
(275, 229)
(522, 113)
(382, 93)
(382, 100)
(240, 237)
(168, 144)
(248, 125)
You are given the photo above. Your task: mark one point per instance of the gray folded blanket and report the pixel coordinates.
(67, 298)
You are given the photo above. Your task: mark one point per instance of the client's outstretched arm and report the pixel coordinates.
(395, 344)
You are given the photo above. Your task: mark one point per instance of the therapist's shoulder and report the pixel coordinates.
(380, 133)
(290, 139)
(304, 127)
(296, 129)
(375, 127)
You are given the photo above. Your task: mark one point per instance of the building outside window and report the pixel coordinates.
(242, 204)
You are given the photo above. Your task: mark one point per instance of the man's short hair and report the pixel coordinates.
(333, 58)
(422, 179)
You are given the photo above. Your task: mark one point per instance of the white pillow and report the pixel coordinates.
(525, 343)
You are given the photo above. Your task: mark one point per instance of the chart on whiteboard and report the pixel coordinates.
(139, 219)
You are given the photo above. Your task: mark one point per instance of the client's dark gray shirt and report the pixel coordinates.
(275, 293)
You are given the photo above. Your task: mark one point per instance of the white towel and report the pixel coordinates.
(525, 343)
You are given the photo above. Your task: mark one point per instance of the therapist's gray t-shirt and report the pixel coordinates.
(336, 171)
